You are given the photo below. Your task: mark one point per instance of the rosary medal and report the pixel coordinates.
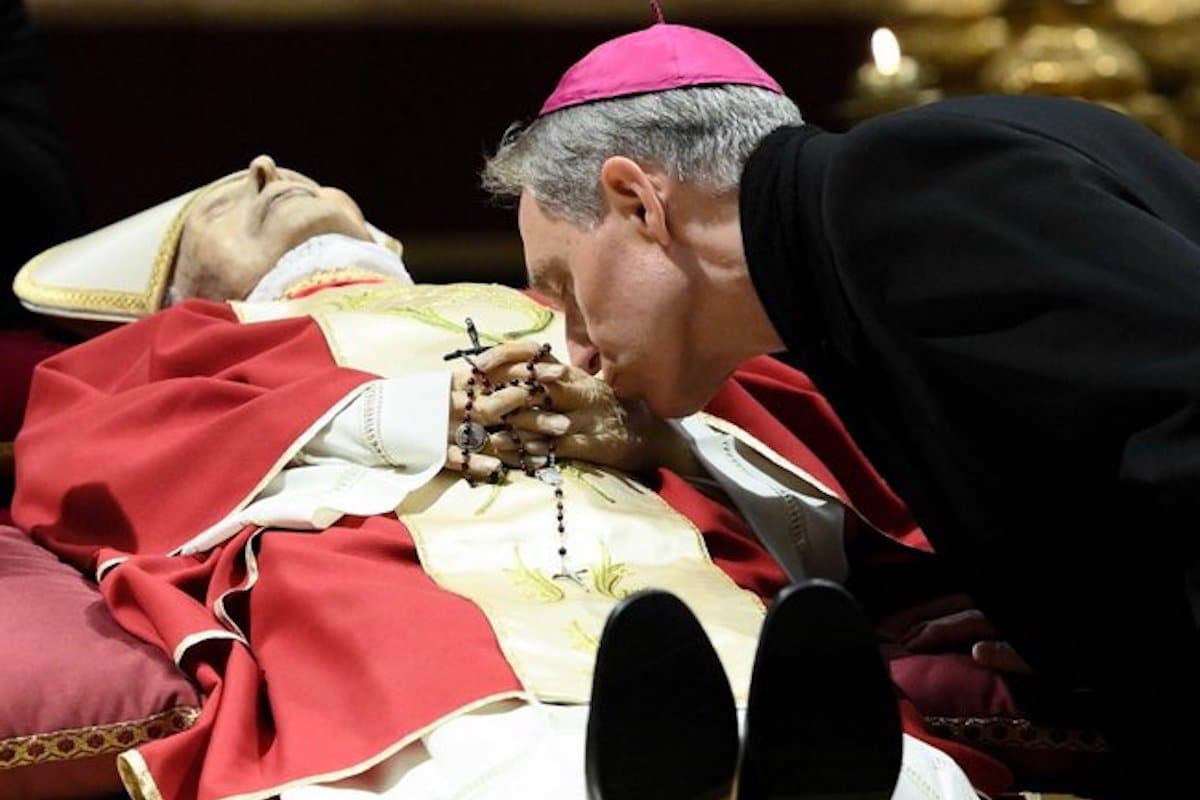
(550, 475)
(470, 437)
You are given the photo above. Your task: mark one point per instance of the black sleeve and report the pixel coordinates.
(1037, 327)
(1033, 305)
(39, 203)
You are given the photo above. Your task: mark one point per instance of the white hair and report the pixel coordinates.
(700, 135)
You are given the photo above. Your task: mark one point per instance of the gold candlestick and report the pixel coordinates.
(889, 82)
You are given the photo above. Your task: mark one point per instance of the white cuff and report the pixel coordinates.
(396, 422)
(387, 441)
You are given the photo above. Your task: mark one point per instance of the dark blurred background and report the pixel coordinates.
(397, 101)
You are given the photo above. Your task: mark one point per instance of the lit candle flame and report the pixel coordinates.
(885, 49)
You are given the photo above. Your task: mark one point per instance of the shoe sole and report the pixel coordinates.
(662, 725)
(822, 720)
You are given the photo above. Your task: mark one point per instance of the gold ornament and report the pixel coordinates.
(1188, 106)
(947, 9)
(955, 47)
(1165, 32)
(1067, 61)
(1155, 112)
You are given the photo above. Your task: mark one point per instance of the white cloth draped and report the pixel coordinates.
(536, 752)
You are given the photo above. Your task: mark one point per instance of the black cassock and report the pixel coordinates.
(1001, 298)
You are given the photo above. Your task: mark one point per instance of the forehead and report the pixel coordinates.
(545, 233)
(547, 241)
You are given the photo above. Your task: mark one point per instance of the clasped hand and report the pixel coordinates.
(577, 412)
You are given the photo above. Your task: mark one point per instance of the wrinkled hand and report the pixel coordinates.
(504, 404)
(578, 412)
(955, 631)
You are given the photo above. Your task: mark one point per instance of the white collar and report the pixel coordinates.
(325, 252)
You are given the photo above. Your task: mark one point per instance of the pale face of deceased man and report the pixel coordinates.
(235, 233)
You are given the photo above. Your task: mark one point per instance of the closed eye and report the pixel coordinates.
(217, 205)
(296, 177)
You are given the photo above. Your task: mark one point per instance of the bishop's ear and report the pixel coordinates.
(637, 197)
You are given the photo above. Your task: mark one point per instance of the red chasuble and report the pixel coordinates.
(318, 653)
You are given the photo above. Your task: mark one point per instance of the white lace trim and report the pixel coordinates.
(327, 251)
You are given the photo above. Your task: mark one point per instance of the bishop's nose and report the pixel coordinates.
(584, 355)
(263, 171)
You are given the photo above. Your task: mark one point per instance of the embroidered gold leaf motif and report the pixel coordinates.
(582, 474)
(430, 304)
(491, 498)
(607, 576)
(580, 639)
(352, 301)
(534, 584)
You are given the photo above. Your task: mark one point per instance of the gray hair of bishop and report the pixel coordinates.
(699, 135)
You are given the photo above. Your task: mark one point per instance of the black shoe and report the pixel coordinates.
(662, 724)
(822, 720)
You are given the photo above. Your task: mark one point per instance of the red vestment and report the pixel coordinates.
(343, 646)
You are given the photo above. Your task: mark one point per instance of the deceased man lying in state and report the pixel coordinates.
(379, 524)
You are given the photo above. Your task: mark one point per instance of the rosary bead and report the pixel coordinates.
(535, 388)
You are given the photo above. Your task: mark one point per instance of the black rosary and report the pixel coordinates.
(471, 437)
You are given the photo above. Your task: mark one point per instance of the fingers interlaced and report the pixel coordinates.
(547, 423)
(489, 409)
(542, 405)
(507, 373)
(504, 442)
(477, 465)
(509, 353)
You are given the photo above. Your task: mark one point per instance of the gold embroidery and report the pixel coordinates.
(581, 640)
(581, 474)
(503, 561)
(1021, 733)
(606, 579)
(607, 576)
(140, 784)
(94, 740)
(532, 583)
(497, 547)
(430, 303)
(491, 498)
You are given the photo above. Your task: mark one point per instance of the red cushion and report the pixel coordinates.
(1039, 733)
(76, 689)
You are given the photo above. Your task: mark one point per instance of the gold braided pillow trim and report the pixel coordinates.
(1017, 733)
(94, 740)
